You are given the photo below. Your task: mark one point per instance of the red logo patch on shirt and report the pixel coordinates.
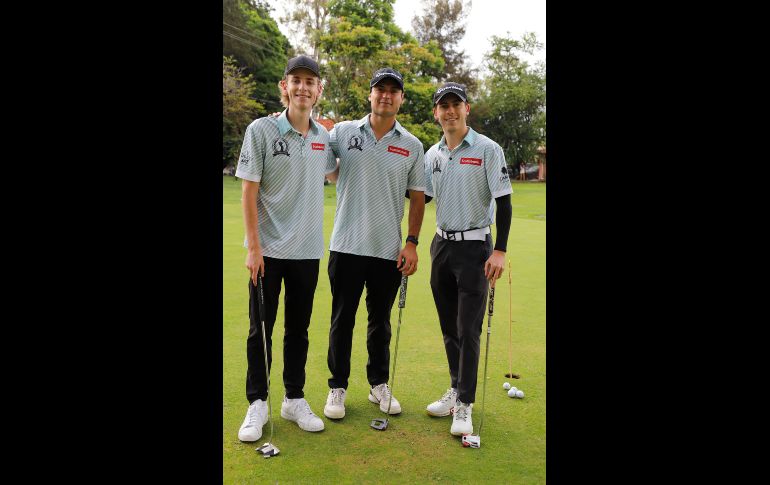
(317, 146)
(398, 150)
(470, 161)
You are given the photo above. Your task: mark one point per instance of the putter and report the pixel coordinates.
(510, 324)
(473, 440)
(381, 424)
(268, 449)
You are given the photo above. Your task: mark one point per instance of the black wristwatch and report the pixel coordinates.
(412, 239)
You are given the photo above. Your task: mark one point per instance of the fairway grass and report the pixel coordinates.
(416, 448)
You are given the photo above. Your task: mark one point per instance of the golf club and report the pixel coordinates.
(381, 424)
(510, 324)
(473, 440)
(268, 449)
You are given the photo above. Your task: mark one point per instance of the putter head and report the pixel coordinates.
(471, 441)
(268, 450)
(380, 424)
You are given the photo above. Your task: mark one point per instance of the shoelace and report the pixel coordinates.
(384, 392)
(337, 396)
(447, 396)
(303, 408)
(253, 415)
(461, 412)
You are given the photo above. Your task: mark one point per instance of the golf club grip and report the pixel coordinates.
(402, 295)
(261, 299)
(491, 301)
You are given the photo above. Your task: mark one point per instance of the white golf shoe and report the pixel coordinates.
(380, 394)
(461, 422)
(298, 410)
(335, 403)
(256, 417)
(445, 405)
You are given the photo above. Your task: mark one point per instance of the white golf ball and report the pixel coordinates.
(512, 393)
(507, 386)
(514, 389)
(520, 394)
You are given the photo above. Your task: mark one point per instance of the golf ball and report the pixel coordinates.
(512, 393)
(507, 386)
(520, 394)
(514, 389)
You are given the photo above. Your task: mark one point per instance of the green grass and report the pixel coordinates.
(415, 448)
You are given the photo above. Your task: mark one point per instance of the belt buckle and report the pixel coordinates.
(450, 235)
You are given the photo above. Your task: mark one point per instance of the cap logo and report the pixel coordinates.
(441, 90)
(380, 74)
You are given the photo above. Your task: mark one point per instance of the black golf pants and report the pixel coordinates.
(300, 277)
(348, 274)
(460, 292)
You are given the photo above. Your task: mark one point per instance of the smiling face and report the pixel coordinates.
(451, 113)
(386, 98)
(300, 89)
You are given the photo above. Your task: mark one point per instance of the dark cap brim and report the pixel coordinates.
(459, 94)
(387, 76)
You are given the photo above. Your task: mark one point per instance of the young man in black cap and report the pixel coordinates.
(464, 172)
(282, 157)
(378, 162)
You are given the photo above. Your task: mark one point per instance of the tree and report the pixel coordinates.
(443, 21)
(309, 20)
(238, 108)
(511, 105)
(252, 38)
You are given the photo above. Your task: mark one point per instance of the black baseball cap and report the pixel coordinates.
(302, 61)
(446, 88)
(387, 72)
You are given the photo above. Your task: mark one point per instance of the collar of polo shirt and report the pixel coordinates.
(470, 138)
(284, 126)
(364, 123)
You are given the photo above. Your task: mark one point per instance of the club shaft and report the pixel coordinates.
(401, 305)
(264, 346)
(486, 356)
(510, 321)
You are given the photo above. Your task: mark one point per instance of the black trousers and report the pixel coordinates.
(460, 292)
(348, 274)
(300, 277)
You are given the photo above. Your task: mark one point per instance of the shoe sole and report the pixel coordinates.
(249, 441)
(448, 413)
(460, 433)
(334, 417)
(385, 410)
(300, 427)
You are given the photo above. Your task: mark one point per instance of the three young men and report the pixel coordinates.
(282, 164)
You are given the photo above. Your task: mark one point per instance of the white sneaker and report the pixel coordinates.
(462, 423)
(381, 394)
(335, 403)
(256, 417)
(298, 410)
(444, 406)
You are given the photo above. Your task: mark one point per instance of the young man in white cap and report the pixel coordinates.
(464, 172)
(282, 164)
(378, 162)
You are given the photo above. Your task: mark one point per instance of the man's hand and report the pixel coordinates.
(255, 263)
(407, 260)
(493, 268)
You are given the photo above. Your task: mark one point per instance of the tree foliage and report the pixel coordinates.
(238, 108)
(309, 20)
(443, 21)
(511, 106)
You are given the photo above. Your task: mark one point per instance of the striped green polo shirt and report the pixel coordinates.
(464, 181)
(374, 175)
(290, 170)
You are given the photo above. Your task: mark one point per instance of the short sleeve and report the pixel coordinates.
(252, 157)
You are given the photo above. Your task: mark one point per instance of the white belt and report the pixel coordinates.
(470, 235)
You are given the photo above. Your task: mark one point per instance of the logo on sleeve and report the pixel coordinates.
(398, 150)
(244, 160)
(505, 177)
(317, 146)
(356, 142)
(470, 161)
(280, 147)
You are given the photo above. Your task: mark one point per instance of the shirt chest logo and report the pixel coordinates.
(280, 147)
(437, 166)
(356, 142)
(398, 150)
(470, 161)
(317, 146)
